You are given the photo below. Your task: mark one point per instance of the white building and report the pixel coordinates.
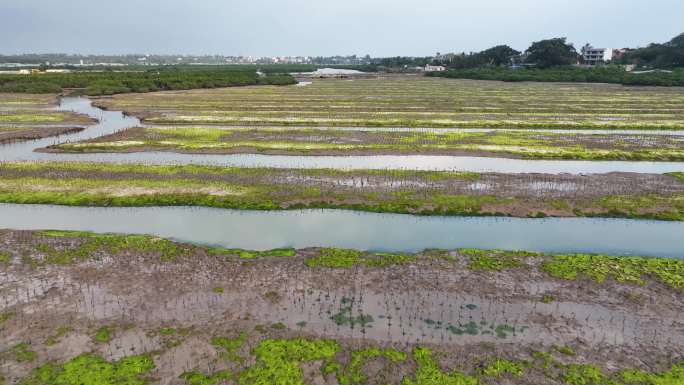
(431, 68)
(593, 56)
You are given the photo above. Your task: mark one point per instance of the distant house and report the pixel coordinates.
(594, 56)
(431, 68)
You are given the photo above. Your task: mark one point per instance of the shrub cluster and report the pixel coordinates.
(110, 82)
(608, 74)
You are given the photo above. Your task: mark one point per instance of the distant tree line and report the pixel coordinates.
(667, 55)
(111, 82)
(603, 74)
(551, 60)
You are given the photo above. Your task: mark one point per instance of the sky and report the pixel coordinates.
(325, 27)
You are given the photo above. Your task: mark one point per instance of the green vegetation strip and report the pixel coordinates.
(67, 247)
(108, 82)
(404, 101)
(91, 369)
(278, 362)
(391, 191)
(608, 74)
(303, 141)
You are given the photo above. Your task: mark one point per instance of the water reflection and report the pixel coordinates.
(366, 231)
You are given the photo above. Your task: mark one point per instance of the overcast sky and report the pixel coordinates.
(324, 27)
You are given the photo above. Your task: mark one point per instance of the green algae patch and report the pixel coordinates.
(494, 260)
(91, 369)
(622, 269)
(499, 367)
(674, 376)
(197, 378)
(252, 254)
(94, 245)
(103, 335)
(352, 374)
(678, 175)
(335, 258)
(429, 372)
(5, 257)
(22, 352)
(59, 333)
(388, 259)
(230, 346)
(6, 316)
(278, 360)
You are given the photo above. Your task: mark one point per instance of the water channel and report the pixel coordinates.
(339, 228)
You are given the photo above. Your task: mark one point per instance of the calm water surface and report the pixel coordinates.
(366, 231)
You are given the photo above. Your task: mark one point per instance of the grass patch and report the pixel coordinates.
(494, 260)
(429, 372)
(22, 352)
(197, 378)
(230, 346)
(103, 335)
(59, 333)
(352, 374)
(622, 269)
(91, 369)
(251, 254)
(499, 367)
(5, 316)
(95, 244)
(335, 258)
(278, 360)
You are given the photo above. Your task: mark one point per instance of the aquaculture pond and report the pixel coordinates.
(260, 230)
(114, 121)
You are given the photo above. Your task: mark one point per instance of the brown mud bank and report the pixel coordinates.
(331, 142)
(36, 133)
(632, 195)
(65, 294)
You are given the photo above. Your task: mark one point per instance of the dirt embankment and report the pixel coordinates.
(467, 315)
(36, 133)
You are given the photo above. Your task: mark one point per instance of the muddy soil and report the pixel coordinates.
(622, 142)
(523, 185)
(36, 133)
(464, 314)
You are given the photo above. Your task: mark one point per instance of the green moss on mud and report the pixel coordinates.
(103, 335)
(252, 254)
(278, 361)
(429, 372)
(352, 374)
(230, 346)
(197, 378)
(5, 257)
(22, 352)
(94, 244)
(347, 258)
(91, 369)
(622, 269)
(494, 260)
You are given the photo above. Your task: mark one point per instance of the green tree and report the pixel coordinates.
(552, 53)
(499, 55)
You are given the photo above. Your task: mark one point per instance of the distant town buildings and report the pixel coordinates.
(432, 68)
(594, 56)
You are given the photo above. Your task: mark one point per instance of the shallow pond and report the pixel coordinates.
(365, 231)
(112, 121)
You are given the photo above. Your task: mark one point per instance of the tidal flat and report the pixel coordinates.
(158, 311)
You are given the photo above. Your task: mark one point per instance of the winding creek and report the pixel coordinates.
(114, 121)
(340, 228)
